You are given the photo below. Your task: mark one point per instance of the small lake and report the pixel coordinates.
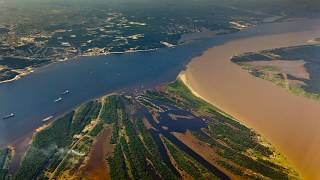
(32, 97)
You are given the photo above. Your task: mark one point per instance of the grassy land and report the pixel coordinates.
(241, 150)
(188, 164)
(270, 74)
(61, 146)
(308, 53)
(60, 150)
(136, 155)
(5, 157)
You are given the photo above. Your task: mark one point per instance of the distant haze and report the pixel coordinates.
(309, 4)
(289, 2)
(300, 4)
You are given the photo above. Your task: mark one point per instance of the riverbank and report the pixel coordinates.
(288, 121)
(159, 133)
(292, 68)
(28, 70)
(19, 75)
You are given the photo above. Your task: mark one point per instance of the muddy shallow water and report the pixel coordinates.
(290, 122)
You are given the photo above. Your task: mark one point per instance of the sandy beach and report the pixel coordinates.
(290, 122)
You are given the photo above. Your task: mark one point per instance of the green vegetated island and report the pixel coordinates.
(294, 68)
(164, 133)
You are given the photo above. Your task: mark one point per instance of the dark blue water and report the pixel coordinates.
(32, 97)
(180, 125)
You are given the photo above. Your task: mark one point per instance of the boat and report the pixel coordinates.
(9, 116)
(58, 100)
(47, 119)
(65, 92)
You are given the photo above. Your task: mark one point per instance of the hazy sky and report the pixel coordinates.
(296, 4)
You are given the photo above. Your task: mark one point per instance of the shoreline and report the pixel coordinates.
(183, 77)
(207, 78)
(26, 72)
(17, 77)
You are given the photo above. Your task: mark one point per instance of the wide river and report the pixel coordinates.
(32, 97)
(290, 122)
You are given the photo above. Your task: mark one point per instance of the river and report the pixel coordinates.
(32, 97)
(288, 121)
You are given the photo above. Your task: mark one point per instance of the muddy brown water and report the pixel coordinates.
(290, 122)
(97, 167)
